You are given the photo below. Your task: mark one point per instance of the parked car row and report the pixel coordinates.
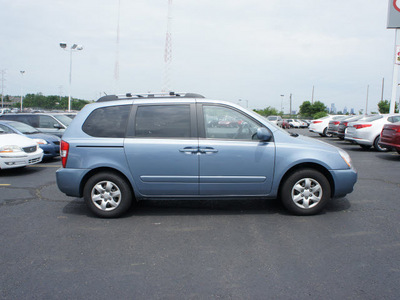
(288, 123)
(381, 131)
(27, 138)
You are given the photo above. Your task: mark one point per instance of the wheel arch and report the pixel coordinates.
(308, 165)
(108, 170)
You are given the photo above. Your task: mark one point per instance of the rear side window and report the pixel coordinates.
(108, 121)
(163, 121)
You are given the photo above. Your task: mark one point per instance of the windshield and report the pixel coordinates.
(272, 118)
(24, 128)
(63, 119)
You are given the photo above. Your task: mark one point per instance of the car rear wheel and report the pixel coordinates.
(325, 133)
(107, 195)
(378, 147)
(305, 192)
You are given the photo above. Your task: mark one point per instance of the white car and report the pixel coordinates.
(277, 120)
(367, 132)
(18, 151)
(293, 123)
(320, 125)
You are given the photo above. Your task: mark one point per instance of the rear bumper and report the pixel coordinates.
(69, 181)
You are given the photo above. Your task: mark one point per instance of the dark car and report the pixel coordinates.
(333, 125)
(343, 125)
(390, 136)
(51, 123)
(50, 144)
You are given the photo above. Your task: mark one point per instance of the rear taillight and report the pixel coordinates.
(315, 122)
(345, 123)
(359, 126)
(336, 122)
(64, 147)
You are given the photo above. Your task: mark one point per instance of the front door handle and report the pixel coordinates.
(208, 150)
(189, 150)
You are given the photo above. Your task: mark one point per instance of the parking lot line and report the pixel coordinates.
(5, 184)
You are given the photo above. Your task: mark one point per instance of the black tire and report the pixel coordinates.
(379, 147)
(107, 195)
(305, 192)
(325, 133)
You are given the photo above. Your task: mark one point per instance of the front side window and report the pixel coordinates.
(110, 121)
(227, 123)
(47, 122)
(163, 121)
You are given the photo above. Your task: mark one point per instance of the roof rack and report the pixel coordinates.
(149, 95)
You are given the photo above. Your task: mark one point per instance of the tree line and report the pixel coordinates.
(318, 109)
(41, 101)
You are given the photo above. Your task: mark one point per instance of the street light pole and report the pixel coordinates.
(22, 78)
(282, 103)
(74, 47)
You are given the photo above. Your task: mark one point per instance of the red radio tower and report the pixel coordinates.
(168, 51)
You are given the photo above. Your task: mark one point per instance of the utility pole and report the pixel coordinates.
(168, 51)
(116, 66)
(383, 85)
(290, 113)
(312, 96)
(3, 73)
(366, 102)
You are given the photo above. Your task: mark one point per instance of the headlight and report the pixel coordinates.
(10, 149)
(40, 141)
(346, 157)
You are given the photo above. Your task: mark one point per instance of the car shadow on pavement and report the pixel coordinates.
(204, 207)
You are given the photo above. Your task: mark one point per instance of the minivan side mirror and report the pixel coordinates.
(58, 126)
(263, 134)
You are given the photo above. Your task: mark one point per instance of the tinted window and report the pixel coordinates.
(163, 121)
(32, 120)
(108, 121)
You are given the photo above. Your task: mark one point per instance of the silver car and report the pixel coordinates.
(366, 132)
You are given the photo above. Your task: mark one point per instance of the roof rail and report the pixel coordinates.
(148, 95)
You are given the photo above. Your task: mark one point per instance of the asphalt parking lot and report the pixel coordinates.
(52, 247)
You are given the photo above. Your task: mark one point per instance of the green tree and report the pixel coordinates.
(268, 111)
(308, 110)
(384, 107)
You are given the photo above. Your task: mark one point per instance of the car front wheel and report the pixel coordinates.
(305, 192)
(107, 195)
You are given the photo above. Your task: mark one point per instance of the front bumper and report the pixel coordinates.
(344, 181)
(12, 160)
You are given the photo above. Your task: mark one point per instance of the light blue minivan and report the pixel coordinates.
(129, 148)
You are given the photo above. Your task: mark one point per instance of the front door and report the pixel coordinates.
(232, 161)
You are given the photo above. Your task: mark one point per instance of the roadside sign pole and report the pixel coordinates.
(395, 71)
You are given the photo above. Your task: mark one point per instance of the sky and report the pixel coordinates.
(252, 50)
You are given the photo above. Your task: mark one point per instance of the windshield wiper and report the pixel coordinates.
(293, 134)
